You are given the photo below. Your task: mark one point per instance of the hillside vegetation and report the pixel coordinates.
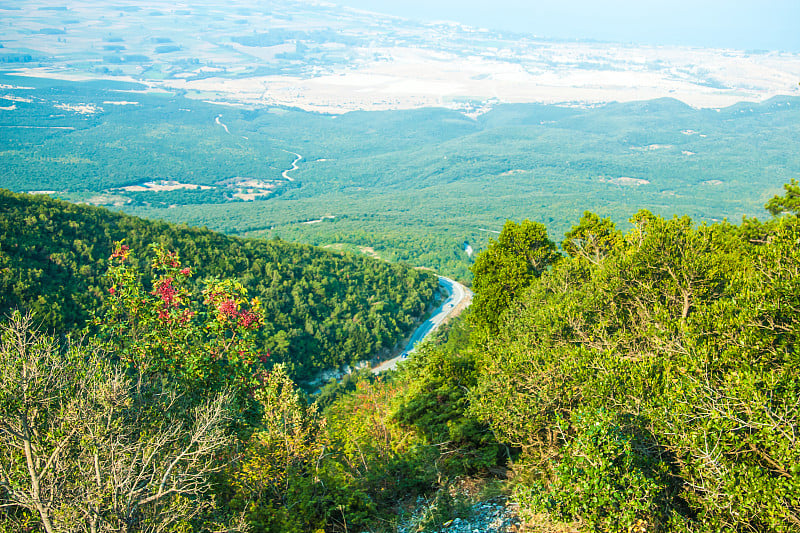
(413, 185)
(321, 309)
(649, 380)
(643, 381)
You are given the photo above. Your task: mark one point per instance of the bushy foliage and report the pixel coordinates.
(163, 331)
(592, 239)
(277, 482)
(170, 405)
(605, 474)
(320, 309)
(521, 253)
(435, 404)
(168, 418)
(378, 464)
(663, 369)
(87, 446)
(788, 203)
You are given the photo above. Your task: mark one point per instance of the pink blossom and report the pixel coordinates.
(167, 292)
(122, 251)
(248, 319)
(186, 316)
(228, 308)
(171, 261)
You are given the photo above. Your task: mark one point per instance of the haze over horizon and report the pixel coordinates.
(329, 58)
(739, 24)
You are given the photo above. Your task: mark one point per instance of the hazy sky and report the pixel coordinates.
(745, 24)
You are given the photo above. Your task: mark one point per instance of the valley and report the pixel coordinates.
(413, 185)
(413, 135)
(210, 209)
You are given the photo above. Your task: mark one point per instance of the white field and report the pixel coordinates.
(418, 77)
(446, 64)
(165, 185)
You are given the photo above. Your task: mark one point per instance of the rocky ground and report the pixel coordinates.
(486, 517)
(493, 516)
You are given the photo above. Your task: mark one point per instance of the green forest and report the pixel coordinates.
(413, 185)
(616, 381)
(321, 309)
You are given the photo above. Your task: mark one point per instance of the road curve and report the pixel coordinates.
(218, 121)
(285, 173)
(459, 295)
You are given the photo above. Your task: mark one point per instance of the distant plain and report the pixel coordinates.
(414, 140)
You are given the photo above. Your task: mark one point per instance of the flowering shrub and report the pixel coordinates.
(165, 330)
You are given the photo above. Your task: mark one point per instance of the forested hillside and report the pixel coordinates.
(413, 185)
(321, 309)
(637, 382)
(648, 381)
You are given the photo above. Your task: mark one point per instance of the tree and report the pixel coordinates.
(788, 203)
(521, 253)
(85, 446)
(656, 390)
(277, 481)
(593, 238)
(164, 332)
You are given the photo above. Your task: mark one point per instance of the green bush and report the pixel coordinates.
(673, 357)
(607, 475)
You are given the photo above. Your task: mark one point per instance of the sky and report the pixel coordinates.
(741, 24)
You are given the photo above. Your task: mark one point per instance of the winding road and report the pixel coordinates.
(285, 173)
(460, 297)
(218, 121)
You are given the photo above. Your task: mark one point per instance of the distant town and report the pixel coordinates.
(320, 57)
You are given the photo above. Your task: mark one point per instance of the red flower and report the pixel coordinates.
(186, 271)
(247, 319)
(122, 251)
(167, 292)
(170, 260)
(112, 291)
(186, 316)
(228, 308)
(163, 315)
